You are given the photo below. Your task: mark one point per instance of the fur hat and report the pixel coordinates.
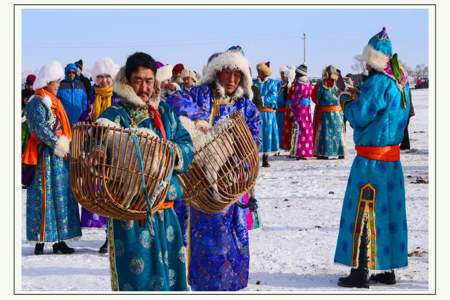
(289, 72)
(378, 51)
(265, 68)
(330, 72)
(233, 60)
(164, 73)
(48, 73)
(105, 65)
(189, 73)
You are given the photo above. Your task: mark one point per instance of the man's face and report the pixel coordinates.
(230, 80)
(188, 81)
(53, 86)
(283, 77)
(71, 74)
(143, 82)
(29, 86)
(104, 80)
(262, 75)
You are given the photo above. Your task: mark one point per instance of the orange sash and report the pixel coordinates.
(267, 109)
(30, 155)
(164, 205)
(386, 153)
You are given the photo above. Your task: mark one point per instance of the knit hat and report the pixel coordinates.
(79, 64)
(302, 70)
(48, 73)
(378, 51)
(189, 73)
(233, 60)
(264, 67)
(330, 72)
(105, 65)
(30, 79)
(177, 69)
(164, 73)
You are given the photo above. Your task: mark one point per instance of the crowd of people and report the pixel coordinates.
(181, 248)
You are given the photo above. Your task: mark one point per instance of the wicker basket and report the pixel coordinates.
(223, 169)
(105, 173)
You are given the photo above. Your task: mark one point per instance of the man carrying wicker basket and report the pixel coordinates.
(218, 245)
(148, 255)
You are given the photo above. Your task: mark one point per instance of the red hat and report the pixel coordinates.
(30, 79)
(177, 69)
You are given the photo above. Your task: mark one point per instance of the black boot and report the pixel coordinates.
(359, 277)
(63, 248)
(104, 247)
(265, 161)
(384, 278)
(39, 248)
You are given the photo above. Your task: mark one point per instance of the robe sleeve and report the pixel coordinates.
(371, 100)
(39, 121)
(270, 98)
(184, 105)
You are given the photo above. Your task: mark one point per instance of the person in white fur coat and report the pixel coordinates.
(52, 212)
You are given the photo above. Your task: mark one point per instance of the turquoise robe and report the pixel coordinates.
(57, 218)
(145, 258)
(375, 188)
(269, 127)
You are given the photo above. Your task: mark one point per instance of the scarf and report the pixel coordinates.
(158, 122)
(30, 156)
(103, 98)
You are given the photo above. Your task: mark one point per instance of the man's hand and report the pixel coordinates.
(354, 92)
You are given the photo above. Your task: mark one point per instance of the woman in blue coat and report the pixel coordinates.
(373, 226)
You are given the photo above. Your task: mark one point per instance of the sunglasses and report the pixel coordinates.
(71, 72)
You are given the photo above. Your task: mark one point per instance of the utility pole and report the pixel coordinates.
(304, 48)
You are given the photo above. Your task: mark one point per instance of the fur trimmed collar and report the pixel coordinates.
(128, 96)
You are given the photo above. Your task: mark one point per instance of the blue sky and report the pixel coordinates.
(334, 36)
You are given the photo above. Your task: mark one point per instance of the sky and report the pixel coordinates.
(190, 36)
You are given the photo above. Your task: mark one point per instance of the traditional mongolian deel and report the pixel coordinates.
(52, 212)
(328, 120)
(375, 189)
(143, 257)
(269, 127)
(301, 108)
(218, 252)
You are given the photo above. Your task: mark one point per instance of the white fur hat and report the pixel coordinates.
(50, 72)
(289, 72)
(105, 65)
(233, 60)
(189, 73)
(164, 73)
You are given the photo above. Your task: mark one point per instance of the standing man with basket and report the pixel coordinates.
(148, 255)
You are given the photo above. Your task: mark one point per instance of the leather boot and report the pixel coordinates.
(39, 249)
(359, 277)
(63, 248)
(265, 161)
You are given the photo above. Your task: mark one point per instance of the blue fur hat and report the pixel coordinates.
(378, 51)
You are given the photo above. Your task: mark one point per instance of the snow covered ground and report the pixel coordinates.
(300, 204)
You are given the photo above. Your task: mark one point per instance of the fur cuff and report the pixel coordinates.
(62, 147)
(375, 58)
(106, 122)
(202, 124)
